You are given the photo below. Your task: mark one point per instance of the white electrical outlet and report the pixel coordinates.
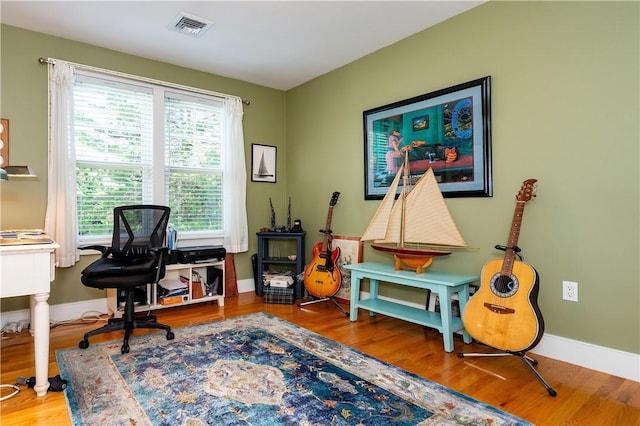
(570, 291)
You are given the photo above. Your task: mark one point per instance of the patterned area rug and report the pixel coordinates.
(254, 370)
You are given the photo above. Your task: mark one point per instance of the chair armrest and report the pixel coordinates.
(163, 249)
(159, 251)
(102, 249)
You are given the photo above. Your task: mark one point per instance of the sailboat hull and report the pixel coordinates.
(410, 251)
(415, 259)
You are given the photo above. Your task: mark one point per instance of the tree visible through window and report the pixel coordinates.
(139, 143)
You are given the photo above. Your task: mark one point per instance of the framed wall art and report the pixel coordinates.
(263, 163)
(448, 130)
(350, 252)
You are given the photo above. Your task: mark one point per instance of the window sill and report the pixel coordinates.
(184, 241)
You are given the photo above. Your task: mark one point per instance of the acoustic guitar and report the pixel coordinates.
(322, 276)
(504, 312)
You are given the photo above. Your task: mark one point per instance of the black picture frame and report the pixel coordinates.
(263, 163)
(454, 140)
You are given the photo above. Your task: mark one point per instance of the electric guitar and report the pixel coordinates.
(504, 312)
(322, 276)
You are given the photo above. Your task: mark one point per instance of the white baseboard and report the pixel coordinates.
(74, 310)
(246, 286)
(587, 355)
(59, 313)
(600, 358)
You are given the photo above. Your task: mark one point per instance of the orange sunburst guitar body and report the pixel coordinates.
(504, 312)
(322, 276)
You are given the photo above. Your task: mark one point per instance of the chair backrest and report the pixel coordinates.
(138, 228)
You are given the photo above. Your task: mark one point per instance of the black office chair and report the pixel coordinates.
(135, 258)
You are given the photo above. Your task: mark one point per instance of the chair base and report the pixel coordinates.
(128, 323)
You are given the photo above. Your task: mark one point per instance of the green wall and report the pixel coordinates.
(24, 102)
(565, 91)
(565, 88)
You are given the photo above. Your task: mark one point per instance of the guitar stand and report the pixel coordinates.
(528, 361)
(324, 299)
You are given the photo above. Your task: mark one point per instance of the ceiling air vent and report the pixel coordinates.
(190, 25)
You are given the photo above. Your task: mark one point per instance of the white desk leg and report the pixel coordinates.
(40, 323)
(32, 315)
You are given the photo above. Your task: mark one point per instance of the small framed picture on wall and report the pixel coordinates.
(263, 163)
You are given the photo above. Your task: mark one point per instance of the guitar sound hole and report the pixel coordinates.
(503, 285)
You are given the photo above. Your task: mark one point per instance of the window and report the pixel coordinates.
(141, 143)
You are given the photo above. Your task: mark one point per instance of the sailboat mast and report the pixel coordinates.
(405, 182)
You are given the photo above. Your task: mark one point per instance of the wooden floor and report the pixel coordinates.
(585, 397)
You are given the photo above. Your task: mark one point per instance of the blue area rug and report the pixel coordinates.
(254, 370)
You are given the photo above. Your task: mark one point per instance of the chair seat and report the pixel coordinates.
(113, 273)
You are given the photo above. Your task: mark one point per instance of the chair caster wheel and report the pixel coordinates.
(124, 349)
(84, 344)
(170, 335)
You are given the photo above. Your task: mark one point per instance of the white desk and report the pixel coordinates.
(28, 269)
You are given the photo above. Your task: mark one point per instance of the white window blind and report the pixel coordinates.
(138, 143)
(113, 140)
(193, 161)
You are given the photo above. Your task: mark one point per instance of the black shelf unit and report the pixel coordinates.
(265, 260)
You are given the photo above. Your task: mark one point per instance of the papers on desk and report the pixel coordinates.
(24, 236)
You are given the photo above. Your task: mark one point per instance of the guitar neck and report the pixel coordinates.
(514, 234)
(327, 235)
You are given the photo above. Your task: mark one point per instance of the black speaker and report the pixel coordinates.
(256, 277)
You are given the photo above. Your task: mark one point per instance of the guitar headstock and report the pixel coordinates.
(334, 199)
(528, 190)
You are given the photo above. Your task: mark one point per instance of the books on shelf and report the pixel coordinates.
(173, 300)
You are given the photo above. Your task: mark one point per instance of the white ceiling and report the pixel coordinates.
(278, 44)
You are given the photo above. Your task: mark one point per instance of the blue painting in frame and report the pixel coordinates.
(448, 130)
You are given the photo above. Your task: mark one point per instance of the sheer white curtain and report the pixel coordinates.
(236, 238)
(61, 218)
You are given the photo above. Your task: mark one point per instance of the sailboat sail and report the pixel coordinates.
(379, 225)
(424, 220)
(262, 168)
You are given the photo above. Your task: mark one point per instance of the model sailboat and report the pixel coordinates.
(415, 227)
